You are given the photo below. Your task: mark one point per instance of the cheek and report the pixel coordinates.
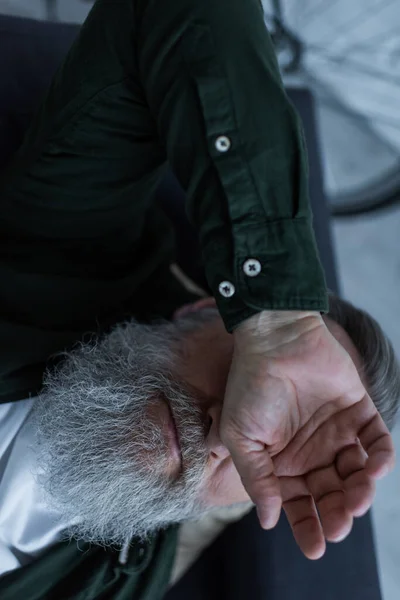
(223, 486)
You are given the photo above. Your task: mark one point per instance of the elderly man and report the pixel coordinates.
(127, 441)
(256, 397)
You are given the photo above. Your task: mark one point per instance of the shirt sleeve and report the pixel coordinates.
(236, 144)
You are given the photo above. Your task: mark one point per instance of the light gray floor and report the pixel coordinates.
(367, 247)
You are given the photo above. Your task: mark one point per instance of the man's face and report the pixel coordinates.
(105, 459)
(206, 368)
(108, 457)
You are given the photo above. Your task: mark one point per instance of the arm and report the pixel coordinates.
(209, 72)
(80, 239)
(300, 427)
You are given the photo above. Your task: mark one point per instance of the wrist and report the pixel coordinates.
(262, 324)
(272, 319)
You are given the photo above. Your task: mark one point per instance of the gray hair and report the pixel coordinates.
(380, 366)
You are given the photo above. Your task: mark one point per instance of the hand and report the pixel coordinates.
(301, 428)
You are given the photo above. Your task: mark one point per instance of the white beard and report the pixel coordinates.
(100, 463)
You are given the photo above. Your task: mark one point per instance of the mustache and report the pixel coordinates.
(100, 463)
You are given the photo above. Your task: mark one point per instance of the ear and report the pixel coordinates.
(194, 307)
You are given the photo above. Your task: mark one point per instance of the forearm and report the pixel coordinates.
(236, 144)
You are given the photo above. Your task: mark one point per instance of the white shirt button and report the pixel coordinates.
(222, 143)
(252, 267)
(226, 289)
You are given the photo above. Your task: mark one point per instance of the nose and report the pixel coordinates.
(213, 441)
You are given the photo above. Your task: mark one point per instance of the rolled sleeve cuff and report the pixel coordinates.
(291, 275)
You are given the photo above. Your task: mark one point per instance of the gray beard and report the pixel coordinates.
(100, 463)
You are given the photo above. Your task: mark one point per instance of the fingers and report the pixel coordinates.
(256, 471)
(378, 444)
(358, 486)
(322, 504)
(327, 489)
(302, 515)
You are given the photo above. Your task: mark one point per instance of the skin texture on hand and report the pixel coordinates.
(301, 428)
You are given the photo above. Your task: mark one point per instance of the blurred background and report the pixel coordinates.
(348, 54)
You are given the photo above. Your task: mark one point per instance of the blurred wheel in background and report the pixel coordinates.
(348, 54)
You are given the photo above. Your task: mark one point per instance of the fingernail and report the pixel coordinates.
(384, 471)
(341, 537)
(267, 521)
(263, 521)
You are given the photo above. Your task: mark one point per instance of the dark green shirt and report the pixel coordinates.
(191, 85)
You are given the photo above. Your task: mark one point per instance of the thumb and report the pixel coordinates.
(256, 470)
